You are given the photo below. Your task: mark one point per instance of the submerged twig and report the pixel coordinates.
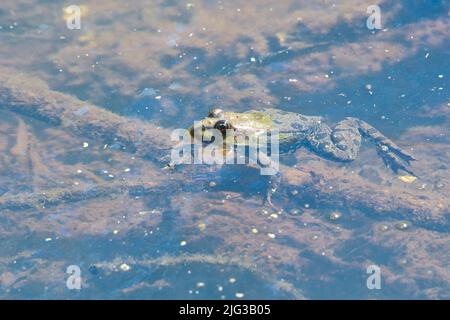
(221, 260)
(52, 197)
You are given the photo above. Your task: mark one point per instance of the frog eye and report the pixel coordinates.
(223, 125)
(215, 113)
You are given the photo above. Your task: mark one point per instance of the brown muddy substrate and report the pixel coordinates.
(215, 227)
(82, 185)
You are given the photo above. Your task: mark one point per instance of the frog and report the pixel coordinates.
(340, 142)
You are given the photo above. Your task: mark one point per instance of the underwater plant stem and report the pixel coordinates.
(28, 95)
(52, 197)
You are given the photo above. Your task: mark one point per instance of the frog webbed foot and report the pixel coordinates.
(272, 187)
(393, 156)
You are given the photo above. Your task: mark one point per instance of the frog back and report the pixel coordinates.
(288, 122)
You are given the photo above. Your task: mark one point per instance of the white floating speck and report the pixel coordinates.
(200, 284)
(183, 243)
(127, 170)
(124, 267)
(232, 280)
(254, 230)
(48, 239)
(239, 295)
(85, 144)
(271, 235)
(116, 231)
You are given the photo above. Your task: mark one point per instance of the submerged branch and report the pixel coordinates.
(52, 197)
(219, 260)
(28, 95)
(31, 96)
(338, 188)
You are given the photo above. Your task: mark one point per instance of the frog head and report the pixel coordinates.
(245, 124)
(217, 119)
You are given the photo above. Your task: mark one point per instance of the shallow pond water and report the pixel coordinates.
(135, 231)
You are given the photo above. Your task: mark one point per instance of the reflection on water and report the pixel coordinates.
(168, 63)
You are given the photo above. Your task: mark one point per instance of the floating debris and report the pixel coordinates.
(271, 235)
(273, 216)
(183, 243)
(335, 215)
(147, 92)
(239, 295)
(402, 225)
(295, 212)
(254, 230)
(407, 179)
(212, 184)
(48, 239)
(124, 267)
(294, 192)
(115, 231)
(85, 145)
(232, 280)
(200, 284)
(93, 269)
(202, 226)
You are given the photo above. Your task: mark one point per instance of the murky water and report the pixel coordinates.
(134, 230)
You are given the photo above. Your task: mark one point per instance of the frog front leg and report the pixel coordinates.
(269, 166)
(343, 142)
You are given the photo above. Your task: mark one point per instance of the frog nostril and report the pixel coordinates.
(215, 113)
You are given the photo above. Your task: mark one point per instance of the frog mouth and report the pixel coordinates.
(207, 135)
(202, 133)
